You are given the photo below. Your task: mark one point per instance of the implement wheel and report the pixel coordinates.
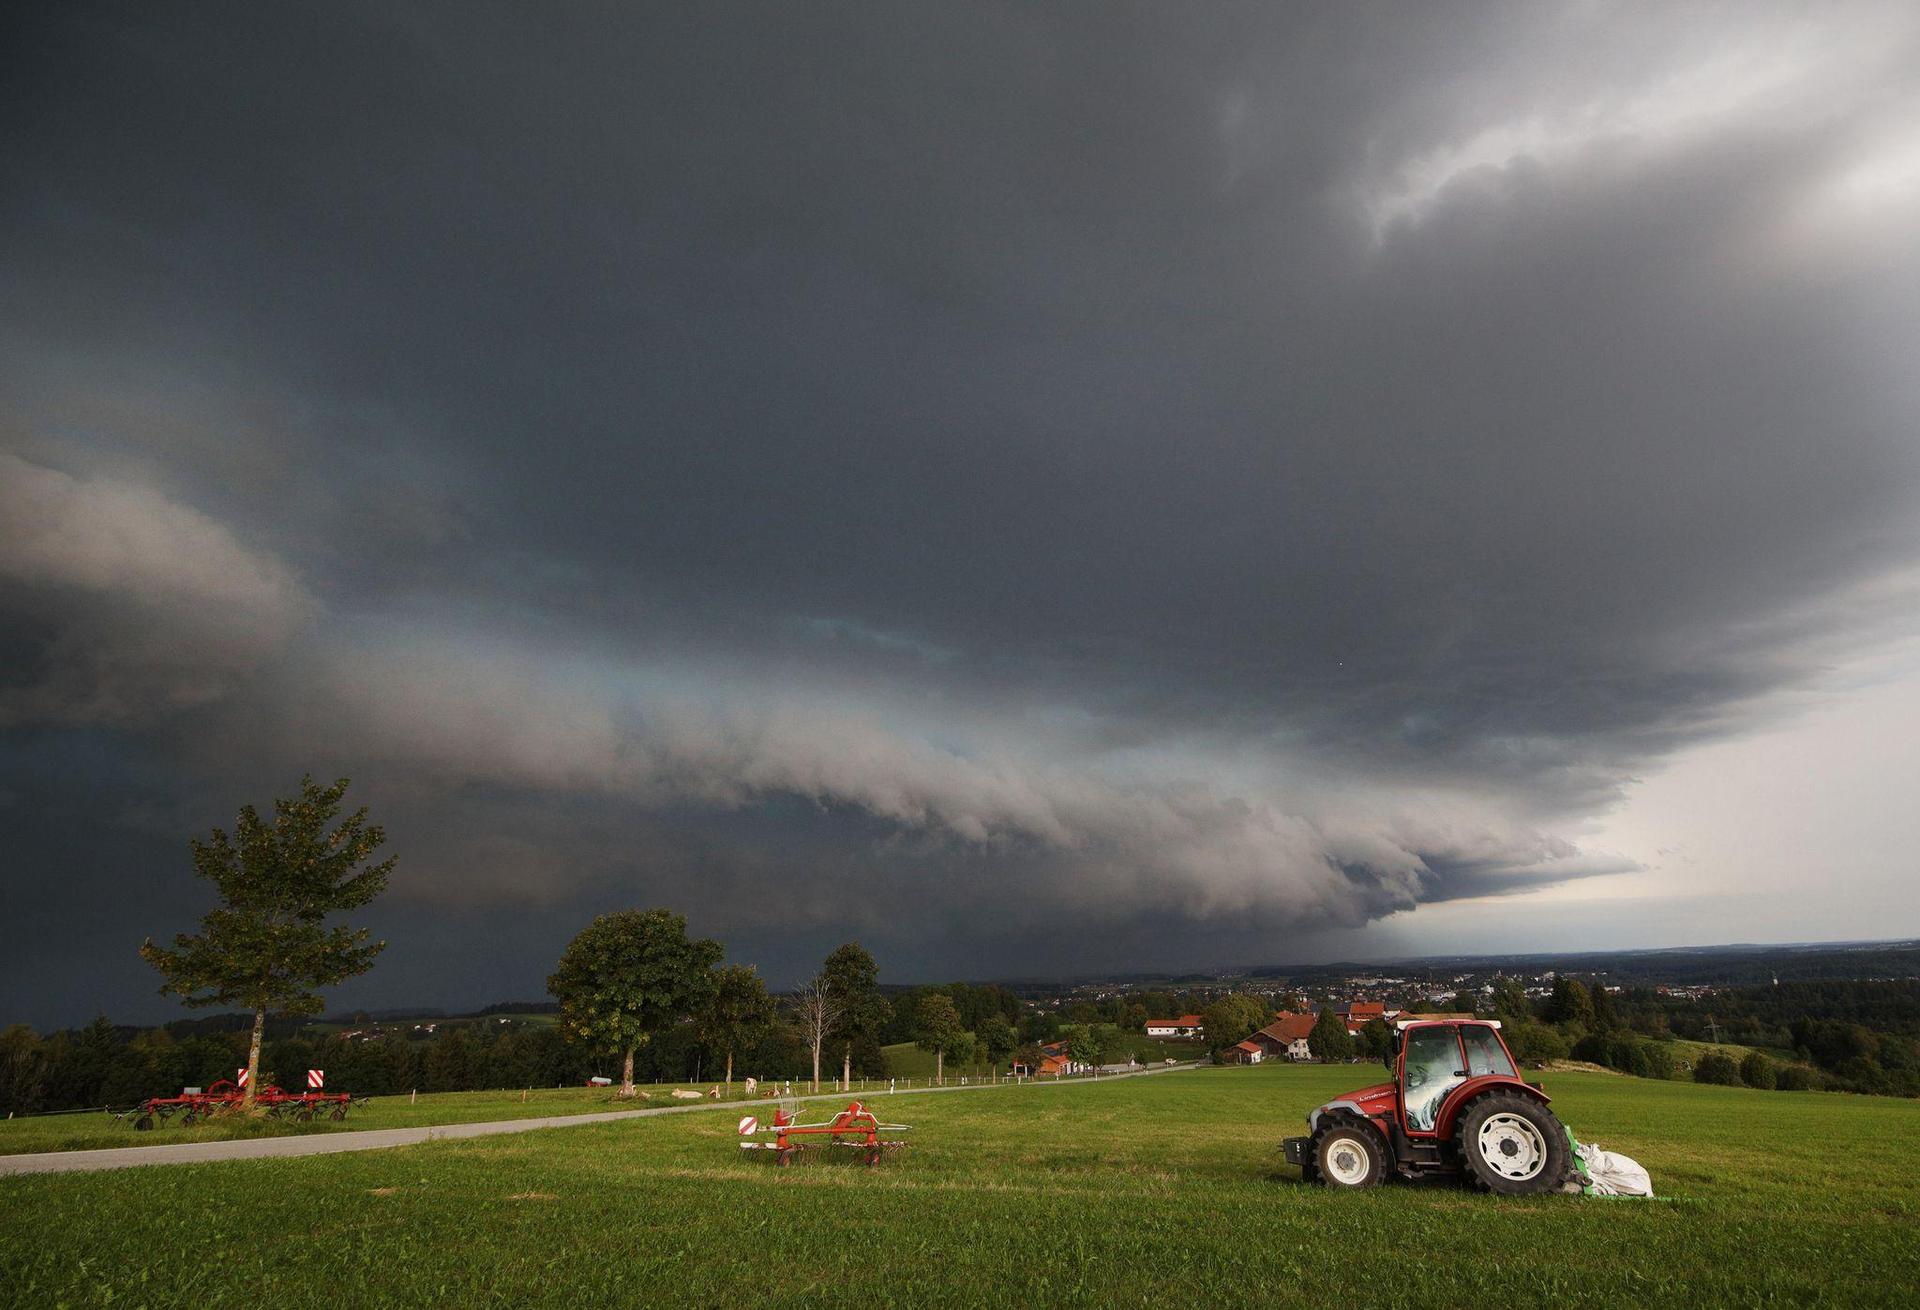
(144, 1122)
(1513, 1145)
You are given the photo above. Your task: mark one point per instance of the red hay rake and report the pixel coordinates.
(194, 1105)
(854, 1126)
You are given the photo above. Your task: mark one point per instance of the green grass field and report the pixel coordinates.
(1135, 1192)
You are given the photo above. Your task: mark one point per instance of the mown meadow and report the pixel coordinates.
(1147, 1191)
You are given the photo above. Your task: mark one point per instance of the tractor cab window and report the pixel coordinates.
(1432, 1070)
(1485, 1055)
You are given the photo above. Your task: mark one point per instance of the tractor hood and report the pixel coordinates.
(1367, 1102)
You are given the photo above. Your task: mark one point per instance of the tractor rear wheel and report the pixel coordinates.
(1513, 1145)
(1349, 1154)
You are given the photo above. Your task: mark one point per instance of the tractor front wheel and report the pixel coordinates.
(1349, 1155)
(1513, 1145)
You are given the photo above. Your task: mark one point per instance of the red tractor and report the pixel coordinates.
(1456, 1106)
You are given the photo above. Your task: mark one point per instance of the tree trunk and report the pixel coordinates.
(729, 1069)
(846, 1069)
(816, 1064)
(253, 1060)
(626, 1077)
(940, 1067)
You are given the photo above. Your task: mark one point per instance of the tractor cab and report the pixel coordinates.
(1456, 1105)
(1430, 1061)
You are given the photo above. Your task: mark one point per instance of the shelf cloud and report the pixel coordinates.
(1190, 481)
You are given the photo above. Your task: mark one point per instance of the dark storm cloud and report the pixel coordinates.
(1215, 471)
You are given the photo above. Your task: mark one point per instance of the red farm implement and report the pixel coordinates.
(195, 1104)
(854, 1126)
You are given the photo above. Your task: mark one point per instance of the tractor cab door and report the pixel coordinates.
(1430, 1067)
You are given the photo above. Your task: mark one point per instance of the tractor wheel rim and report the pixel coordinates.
(1347, 1161)
(1512, 1146)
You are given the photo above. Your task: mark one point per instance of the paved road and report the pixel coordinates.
(266, 1148)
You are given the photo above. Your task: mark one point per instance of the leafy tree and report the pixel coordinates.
(1465, 1003)
(1534, 1043)
(23, 1070)
(1329, 1039)
(1376, 1039)
(1570, 1003)
(1604, 1016)
(1713, 1067)
(1758, 1071)
(628, 977)
(268, 947)
(854, 980)
(1231, 1018)
(998, 1038)
(738, 1012)
(939, 1029)
(1085, 1046)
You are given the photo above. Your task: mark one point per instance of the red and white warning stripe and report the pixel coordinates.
(241, 1080)
(316, 1079)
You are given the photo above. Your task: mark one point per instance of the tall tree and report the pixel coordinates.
(1570, 1003)
(998, 1038)
(268, 946)
(854, 980)
(1086, 1045)
(1604, 1017)
(737, 1014)
(939, 1029)
(818, 1010)
(1232, 1018)
(628, 977)
(1330, 1039)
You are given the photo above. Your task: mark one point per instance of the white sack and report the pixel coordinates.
(1614, 1175)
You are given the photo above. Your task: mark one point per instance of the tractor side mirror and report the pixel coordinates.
(1391, 1058)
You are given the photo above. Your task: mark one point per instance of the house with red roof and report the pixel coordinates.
(1286, 1037)
(1187, 1025)
(1056, 1063)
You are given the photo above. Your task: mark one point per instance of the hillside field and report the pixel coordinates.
(1146, 1191)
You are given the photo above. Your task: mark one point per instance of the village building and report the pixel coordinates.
(1187, 1025)
(1285, 1038)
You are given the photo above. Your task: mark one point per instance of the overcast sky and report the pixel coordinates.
(1036, 489)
